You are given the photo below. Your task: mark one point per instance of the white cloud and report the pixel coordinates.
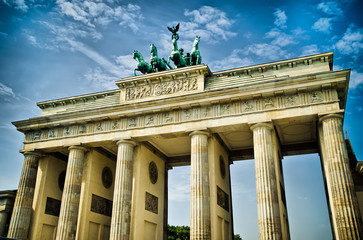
(330, 7)
(280, 18)
(356, 79)
(234, 60)
(100, 13)
(280, 38)
(211, 24)
(17, 4)
(268, 51)
(323, 25)
(351, 42)
(6, 91)
(98, 79)
(310, 50)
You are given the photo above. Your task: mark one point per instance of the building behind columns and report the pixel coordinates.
(96, 165)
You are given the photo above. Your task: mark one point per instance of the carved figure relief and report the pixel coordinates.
(132, 122)
(151, 203)
(66, 131)
(101, 205)
(82, 129)
(153, 172)
(37, 135)
(222, 199)
(247, 106)
(290, 100)
(163, 88)
(98, 126)
(206, 112)
(226, 109)
(115, 124)
(187, 114)
(51, 133)
(316, 97)
(149, 120)
(269, 103)
(167, 118)
(107, 177)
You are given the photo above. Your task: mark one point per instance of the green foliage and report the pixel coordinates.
(178, 232)
(237, 237)
(183, 233)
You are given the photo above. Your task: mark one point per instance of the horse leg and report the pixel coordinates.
(136, 69)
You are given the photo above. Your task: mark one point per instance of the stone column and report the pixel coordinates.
(269, 224)
(22, 211)
(199, 179)
(342, 198)
(121, 208)
(68, 216)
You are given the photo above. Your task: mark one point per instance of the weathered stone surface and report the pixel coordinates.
(67, 223)
(22, 211)
(269, 224)
(121, 209)
(342, 198)
(199, 193)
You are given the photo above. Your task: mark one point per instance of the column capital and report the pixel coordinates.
(32, 152)
(199, 132)
(77, 147)
(126, 141)
(263, 124)
(329, 116)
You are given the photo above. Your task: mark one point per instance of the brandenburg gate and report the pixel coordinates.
(96, 165)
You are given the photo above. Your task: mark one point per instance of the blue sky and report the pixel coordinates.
(55, 49)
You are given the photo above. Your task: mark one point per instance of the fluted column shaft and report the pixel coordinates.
(67, 223)
(121, 208)
(269, 224)
(22, 211)
(343, 200)
(199, 195)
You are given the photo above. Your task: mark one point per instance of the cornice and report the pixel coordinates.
(309, 82)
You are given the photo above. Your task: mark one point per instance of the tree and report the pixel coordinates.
(183, 233)
(237, 237)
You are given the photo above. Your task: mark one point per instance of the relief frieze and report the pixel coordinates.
(163, 88)
(192, 113)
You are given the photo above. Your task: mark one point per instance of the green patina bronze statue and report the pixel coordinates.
(195, 57)
(177, 56)
(157, 63)
(142, 66)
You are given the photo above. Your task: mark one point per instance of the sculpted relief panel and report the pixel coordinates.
(192, 113)
(163, 88)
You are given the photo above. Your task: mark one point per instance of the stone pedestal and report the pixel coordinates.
(67, 223)
(22, 211)
(346, 220)
(199, 180)
(121, 208)
(269, 224)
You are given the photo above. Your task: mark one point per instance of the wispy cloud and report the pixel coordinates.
(280, 18)
(356, 79)
(6, 91)
(236, 59)
(101, 13)
(208, 22)
(330, 7)
(17, 4)
(351, 42)
(310, 50)
(280, 38)
(323, 25)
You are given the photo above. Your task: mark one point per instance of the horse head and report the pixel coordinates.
(153, 50)
(196, 40)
